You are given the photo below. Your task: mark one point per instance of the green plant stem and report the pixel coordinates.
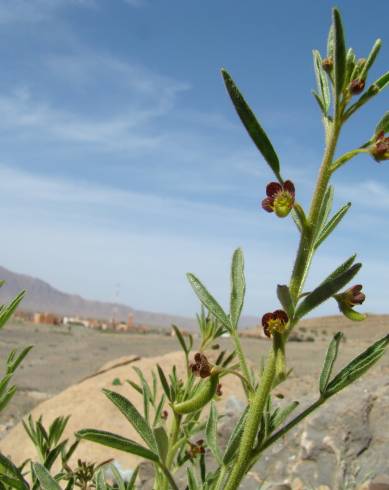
(169, 478)
(346, 157)
(254, 416)
(242, 361)
(220, 479)
(175, 430)
(303, 261)
(306, 246)
(245, 381)
(280, 433)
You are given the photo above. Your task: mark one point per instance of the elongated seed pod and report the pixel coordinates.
(203, 395)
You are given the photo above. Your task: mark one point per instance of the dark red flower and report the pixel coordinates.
(195, 448)
(201, 367)
(357, 86)
(351, 297)
(280, 198)
(380, 148)
(274, 322)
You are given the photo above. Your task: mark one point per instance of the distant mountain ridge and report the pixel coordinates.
(42, 297)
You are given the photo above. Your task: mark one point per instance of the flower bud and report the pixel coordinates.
(351, 297)
(348, 299)
(280, 198)
(219, 391)
(274, 322)
(356, 86)
(379, 149)
(327, 64)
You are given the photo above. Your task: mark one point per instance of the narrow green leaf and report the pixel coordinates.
(6, 398)
(329, 227)
(320, 102)
(4, 383)
(69, 453)
(285, 299)
(371, 58)
(211, 433)
(9, 469)
(135, 386)
(299, 217)
(282, 414)
(331, 43)
(10, 483)
(56, 429)
(164, 383)
(252, 126)
(238, 287)
(54, 453)
(351, 314)
(325, 291)
(325, 209)
(14, 364)
(119, 482)
(117, 442)
(192, 481)
(134, 417)
(229, 359)
(339, 55)
(42, 431)
(162, 442)
(45, 479)
(180, 338)
(350, 65)
(158, 410)
(145, 385)
(383, 125)
(208, 300)
(332, 354)
(100, 480)
(9, 309)
(131, 483)
(322, 82)
(297, 220)
(358, 366)
(234, 440)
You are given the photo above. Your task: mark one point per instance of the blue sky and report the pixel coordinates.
(123, 162)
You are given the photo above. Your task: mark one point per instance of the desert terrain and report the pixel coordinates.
(62, 357)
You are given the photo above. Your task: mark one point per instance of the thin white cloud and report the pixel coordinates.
(143, 96)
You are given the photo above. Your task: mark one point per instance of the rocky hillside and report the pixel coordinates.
(43, 297)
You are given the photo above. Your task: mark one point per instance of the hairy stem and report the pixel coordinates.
(220, 480)
(242, 361)
(306, 246)
(301, 267)
(174, 433)
(254, 416)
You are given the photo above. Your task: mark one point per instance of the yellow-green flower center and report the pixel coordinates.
(283, 203)
(276, 325)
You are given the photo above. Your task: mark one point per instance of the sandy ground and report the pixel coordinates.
(61, 358)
